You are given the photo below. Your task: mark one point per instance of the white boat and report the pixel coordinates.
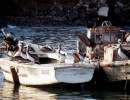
(43, 74)
(49, 71)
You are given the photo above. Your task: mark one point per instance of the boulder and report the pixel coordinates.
(103, 11)
(118, 4)
(72, 15)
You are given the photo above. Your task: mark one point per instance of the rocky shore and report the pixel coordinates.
(90, 13)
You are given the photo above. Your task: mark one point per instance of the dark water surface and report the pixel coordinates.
(66, 36)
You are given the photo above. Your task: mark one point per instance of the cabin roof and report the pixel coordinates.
(106, 29)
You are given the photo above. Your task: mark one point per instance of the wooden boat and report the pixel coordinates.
(49, 71)
(115, 67)
(44, 74)
(112, 66)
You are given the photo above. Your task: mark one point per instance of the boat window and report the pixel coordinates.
(106, 37)
(118, 36)
(99, 38)
(112, 37)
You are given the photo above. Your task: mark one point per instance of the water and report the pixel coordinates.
(66, 36)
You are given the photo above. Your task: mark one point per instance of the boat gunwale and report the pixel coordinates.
(53, 66)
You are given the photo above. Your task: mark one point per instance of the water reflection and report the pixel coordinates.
(10, 91)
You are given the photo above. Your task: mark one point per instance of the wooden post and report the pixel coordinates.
(125, 65)
(14, 75)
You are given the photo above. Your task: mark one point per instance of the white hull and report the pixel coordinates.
(44, 74)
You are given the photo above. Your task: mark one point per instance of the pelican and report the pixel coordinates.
(60, 56)
(71, 58)
(76, 57)
(81, 57)
(10, 51)
(31, 48)
(18, 51)
(32, 57)
(119, 41)
(122, 52)
(23, 54)
(47, 48)
(127, 37)
(86, 40)
(9, 39)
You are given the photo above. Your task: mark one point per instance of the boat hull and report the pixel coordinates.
(116, 71)
(45, 74)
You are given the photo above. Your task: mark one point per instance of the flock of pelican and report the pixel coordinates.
(17, 48)
(21, 50)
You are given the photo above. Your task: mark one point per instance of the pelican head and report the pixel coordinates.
(119, 41)
(10, 35)
(59, 48)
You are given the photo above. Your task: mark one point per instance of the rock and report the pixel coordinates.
(117, 11)
(103, 11)
(80, 3)
(72, 15)
(118, 4)
(103, 2)
(86, 2)
(60, 19)
(82, 11)
(58, 6)
(86, 6)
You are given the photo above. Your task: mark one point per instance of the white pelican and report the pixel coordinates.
(122, 52)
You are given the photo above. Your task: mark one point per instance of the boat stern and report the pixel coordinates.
(75, 74)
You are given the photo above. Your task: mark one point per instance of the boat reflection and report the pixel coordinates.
(11, 92)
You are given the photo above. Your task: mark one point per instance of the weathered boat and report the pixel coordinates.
(112, 66)
(49, 71)
(116, 68)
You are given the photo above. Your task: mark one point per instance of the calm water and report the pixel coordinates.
(66, 36)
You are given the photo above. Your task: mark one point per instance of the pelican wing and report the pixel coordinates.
(46, 49)
(35, 56)
(86, 40)
(10, 41)
(126, 52)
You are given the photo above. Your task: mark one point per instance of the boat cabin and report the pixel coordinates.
(106, 34)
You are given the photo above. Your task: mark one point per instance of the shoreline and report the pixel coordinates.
(27, 21)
